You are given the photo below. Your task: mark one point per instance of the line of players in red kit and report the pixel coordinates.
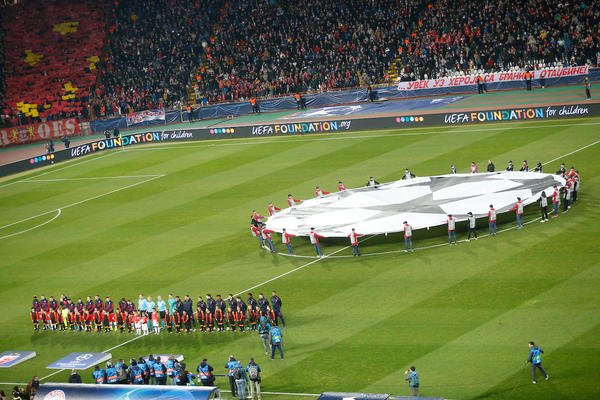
(96, 315)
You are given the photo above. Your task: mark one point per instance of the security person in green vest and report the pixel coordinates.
(535, 358)
(412, 377)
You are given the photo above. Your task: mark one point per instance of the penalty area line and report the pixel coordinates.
(84, 200)
(71, 165)
(33, 227)
(91, 178)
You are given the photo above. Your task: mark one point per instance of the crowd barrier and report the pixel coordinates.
(499, 115)
(399, 91)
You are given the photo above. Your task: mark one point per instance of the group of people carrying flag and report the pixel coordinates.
(569, 191)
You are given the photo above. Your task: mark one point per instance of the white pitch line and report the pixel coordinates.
(85, 200)
(300, 267)
(34, 227)
(124, 343)
(573, 152)
(336, 136)
(89, 178)
(59, 169)
(291, 271)
(103, 351)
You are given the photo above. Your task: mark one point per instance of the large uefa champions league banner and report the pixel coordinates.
(65, 391)
(423, 202)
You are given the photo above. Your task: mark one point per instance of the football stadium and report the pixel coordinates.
(299, 199)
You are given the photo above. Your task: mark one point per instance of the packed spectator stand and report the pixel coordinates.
(51, 49)
(155, 52)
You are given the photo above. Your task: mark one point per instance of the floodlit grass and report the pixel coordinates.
(462, 315)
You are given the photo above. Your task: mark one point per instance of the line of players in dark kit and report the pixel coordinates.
(174, 316)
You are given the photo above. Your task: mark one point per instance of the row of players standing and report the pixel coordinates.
(174, 315)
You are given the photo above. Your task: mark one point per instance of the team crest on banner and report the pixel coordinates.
(55, 395)
(10, 358)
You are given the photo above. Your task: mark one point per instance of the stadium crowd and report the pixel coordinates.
(264, 48)
(233, 51)
(569, 191)
(175, 315)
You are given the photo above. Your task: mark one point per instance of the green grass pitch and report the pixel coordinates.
(462, 315)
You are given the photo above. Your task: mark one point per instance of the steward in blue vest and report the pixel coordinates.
(263, 330)
(150, 367)
(205, 375)
(412, 376)
(231, 366)
(144, 368)
(275, 335)
(535, 358)
(159, 371)
(99, 375)
(275, 338)
(111, 373)
(170, 365)
(413, 379)
(136, 376)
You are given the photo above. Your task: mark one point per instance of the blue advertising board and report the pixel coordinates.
(62, 391)
(80, 361)
(10, 358)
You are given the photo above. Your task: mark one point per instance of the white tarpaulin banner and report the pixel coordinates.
(493, 77)
(423, 202)
(148, 115)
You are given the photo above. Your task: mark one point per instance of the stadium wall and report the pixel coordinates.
(338, 97)
(342, 124)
